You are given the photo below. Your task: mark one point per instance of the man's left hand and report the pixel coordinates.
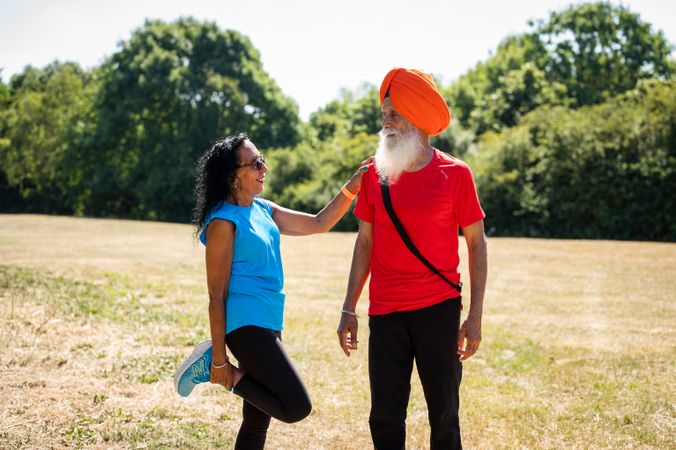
(469, 337)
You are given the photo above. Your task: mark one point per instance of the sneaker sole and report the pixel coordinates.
(194, 356)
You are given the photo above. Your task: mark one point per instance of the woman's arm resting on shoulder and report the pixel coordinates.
(219, 251)
(296, 223)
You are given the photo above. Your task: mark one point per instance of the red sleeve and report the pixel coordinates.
(465, 199)
(364, 209)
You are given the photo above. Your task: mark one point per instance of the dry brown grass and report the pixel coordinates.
(578, 352)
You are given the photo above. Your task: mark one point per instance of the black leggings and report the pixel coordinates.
(271, 387)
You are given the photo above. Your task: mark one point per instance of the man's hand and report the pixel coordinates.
(347, 333)
(469, 337)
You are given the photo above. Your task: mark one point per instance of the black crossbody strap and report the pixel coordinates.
(385, 188)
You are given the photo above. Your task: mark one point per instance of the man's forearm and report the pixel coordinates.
(477, 251)
(359, 272)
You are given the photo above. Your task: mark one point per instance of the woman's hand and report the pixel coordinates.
(225, 376)
(354, 184)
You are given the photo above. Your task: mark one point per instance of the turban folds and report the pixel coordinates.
(414, 95)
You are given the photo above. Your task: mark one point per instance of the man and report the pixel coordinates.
(414, 313)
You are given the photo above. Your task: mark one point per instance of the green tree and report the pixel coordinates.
(43, 123)
(519, 92)
(601, 171)
(352, 113)
(4, 93)
(455, 140)
(10, 199)
(583, 55)
(497, 92)
(166, 95)
(598, 50)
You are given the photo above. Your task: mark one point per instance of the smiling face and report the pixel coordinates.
(251, 180)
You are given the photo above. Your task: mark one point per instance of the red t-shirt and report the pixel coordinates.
(430, 203)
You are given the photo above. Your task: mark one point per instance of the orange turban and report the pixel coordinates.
(414, 95)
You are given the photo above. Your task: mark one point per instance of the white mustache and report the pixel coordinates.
(389, 132)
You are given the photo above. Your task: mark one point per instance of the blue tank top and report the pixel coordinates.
(255, 295)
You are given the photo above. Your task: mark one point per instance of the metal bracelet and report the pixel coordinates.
(225, 364)
(352, 313)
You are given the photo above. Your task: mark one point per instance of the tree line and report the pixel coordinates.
(570, 128)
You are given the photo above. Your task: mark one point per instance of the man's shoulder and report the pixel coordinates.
(448, 162)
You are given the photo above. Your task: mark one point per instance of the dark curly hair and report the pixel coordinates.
(215, 177)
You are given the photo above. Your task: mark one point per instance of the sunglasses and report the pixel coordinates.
(257, 164)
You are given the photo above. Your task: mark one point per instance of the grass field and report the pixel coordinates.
(579, 346)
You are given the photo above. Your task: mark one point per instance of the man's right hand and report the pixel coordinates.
(347, 333)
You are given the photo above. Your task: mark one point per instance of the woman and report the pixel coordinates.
(245, 280)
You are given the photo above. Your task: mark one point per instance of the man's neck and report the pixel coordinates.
(424, 157)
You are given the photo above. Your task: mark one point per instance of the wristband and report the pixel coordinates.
(221, 366)
(351, 313)
(346, 192)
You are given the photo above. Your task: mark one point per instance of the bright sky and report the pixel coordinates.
(311, 48)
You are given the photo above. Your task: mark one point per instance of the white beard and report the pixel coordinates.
(396, 152)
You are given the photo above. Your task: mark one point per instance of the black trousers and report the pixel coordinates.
(428, 336)
(271, 386)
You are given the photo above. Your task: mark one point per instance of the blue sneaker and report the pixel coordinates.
(194, 370)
